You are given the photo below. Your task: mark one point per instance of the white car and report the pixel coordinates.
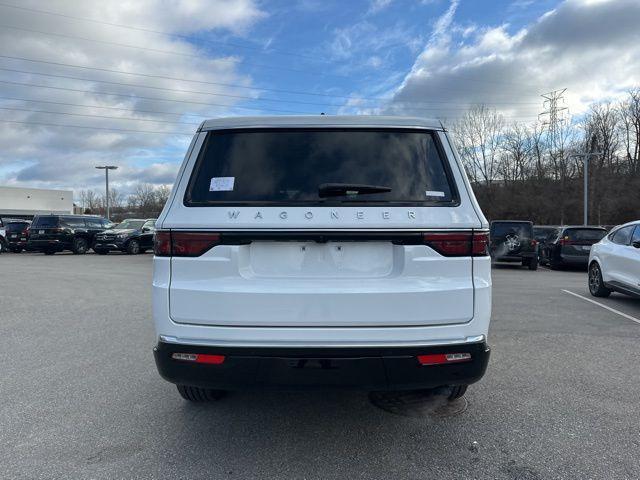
(322, 251)
(614, 262)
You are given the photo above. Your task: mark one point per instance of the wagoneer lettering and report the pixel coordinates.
(326, 251)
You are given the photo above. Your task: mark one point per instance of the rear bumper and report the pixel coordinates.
(370, 368)
(515, 257)
(577, 260)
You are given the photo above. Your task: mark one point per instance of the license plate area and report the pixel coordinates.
(320, 260)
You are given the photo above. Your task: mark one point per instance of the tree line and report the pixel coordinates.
(146, 201)
(534, 172)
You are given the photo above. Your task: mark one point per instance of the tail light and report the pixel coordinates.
(565, 241)
(443, 358)
(458, 244)
(199, 358)
(184, 244)
(534, 243)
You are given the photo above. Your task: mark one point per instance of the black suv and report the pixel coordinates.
(3, 240)
(131, 236)
(16, 234)
(55, 233)
(572, 245)
(513, 241)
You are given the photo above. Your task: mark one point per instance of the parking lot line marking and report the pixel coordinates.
(622, 314)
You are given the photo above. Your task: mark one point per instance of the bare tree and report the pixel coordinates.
(478, 134)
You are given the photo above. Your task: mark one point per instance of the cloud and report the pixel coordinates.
(590, 47)
(378, 5)
(40, 155)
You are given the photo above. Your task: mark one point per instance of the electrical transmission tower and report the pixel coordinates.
(554, 116)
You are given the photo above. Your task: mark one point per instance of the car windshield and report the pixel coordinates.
(130, 225)
(585, 234)
(502, 229)
(302, 165)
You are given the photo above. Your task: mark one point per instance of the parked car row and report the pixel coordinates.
(612, 256)
(77, 233)
(555, 246)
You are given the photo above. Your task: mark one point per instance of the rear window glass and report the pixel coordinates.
(47, 221)
(288, 166)
(74, 221)
(542, 233)
(579, 234)
(502, 229)
(16, 226)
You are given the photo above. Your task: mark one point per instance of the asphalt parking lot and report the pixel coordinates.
(80, 396)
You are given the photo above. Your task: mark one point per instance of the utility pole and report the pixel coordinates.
(586, 156)
(106, 169)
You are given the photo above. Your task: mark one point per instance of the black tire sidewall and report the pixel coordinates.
(130, 248)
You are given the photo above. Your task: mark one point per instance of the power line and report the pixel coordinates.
(96, 128)
(245, 97)
(125, 95)
(274, 90)
(323, 105)
(135, 110)
(96, 116)
(157, 32)
(171, 52)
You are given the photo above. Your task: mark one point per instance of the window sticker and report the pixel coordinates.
(222, 184)
(434, 193)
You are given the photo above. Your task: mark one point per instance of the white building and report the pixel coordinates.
(27, 202)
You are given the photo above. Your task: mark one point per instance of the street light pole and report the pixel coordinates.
(585, 157)
(106, 169)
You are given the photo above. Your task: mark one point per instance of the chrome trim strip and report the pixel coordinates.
(218, 343)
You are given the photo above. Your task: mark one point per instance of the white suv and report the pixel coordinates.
(321, 252)
(614, 262)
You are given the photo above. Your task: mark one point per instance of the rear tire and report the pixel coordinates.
(533, 263)
(80, 246)
(16, 250)
(133, 248)
(596, 283)
(457, 391)
(199, 395)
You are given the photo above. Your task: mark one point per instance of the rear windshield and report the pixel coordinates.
(542, 233)
(16, 226)
(502, 229)
(47, 221)
(586, 234)
(278, 166)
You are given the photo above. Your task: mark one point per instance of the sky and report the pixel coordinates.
(127, 83)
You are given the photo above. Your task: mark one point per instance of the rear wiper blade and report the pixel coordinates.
(339, 189)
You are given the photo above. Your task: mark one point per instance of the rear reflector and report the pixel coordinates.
(199, 358)
(443, 358)
(183, 244)
(458, 244)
